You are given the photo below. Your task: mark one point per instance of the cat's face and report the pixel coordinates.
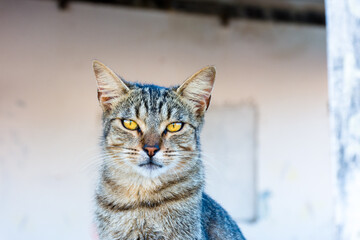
(151, 130)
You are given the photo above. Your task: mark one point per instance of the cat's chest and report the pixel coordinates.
(151, 225)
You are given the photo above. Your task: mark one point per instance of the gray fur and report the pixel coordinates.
(168, 202)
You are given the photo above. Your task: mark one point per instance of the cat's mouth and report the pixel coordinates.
(150, 165)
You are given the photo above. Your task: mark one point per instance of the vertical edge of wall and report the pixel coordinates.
(343, 44)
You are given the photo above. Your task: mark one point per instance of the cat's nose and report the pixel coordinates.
(151, 150)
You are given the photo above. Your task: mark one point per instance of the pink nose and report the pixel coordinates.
(151, 150)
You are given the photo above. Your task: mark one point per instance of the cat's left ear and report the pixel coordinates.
(110, 87)
(197, 89)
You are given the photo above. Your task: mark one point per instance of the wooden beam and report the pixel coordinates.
(63, 4)
(228, 10)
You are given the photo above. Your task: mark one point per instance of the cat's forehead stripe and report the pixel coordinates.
(137, 111)
(153, 105)
(145, 99)
(142, 110)
(154, 102)
(160, 106)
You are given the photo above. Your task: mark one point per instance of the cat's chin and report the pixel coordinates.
(150, 166)
(151, 170)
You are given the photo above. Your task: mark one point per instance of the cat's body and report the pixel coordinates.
(152, 177)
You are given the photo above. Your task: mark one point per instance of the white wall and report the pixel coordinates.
(50, 119)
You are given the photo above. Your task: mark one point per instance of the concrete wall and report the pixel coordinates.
(50, 119)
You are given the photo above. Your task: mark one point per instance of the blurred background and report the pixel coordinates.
(271, 89)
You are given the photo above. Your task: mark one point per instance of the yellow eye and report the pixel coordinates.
(174, 127)
(130, 124)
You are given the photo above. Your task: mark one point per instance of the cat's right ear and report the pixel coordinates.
(110, 87)
(197, 89)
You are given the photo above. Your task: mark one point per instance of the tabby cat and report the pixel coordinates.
(152, 177)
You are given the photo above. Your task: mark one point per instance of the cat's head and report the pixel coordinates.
(152, 130)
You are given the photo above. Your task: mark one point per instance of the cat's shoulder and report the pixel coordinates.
(217, 223)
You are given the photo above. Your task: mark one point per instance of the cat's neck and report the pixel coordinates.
(131, 189)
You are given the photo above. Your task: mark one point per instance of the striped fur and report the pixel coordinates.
(165, 202)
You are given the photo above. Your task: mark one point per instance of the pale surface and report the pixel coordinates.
(50, 118)
(343, 27)
(228, 143)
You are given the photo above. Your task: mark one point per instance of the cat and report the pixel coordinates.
(151, 183)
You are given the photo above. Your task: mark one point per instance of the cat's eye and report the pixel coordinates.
(130, 124)
(174, 127)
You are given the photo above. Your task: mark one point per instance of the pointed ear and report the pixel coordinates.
(109, 86)
(197, 89)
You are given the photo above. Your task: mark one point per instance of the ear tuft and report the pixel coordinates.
(197, 89)
(109, 86)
